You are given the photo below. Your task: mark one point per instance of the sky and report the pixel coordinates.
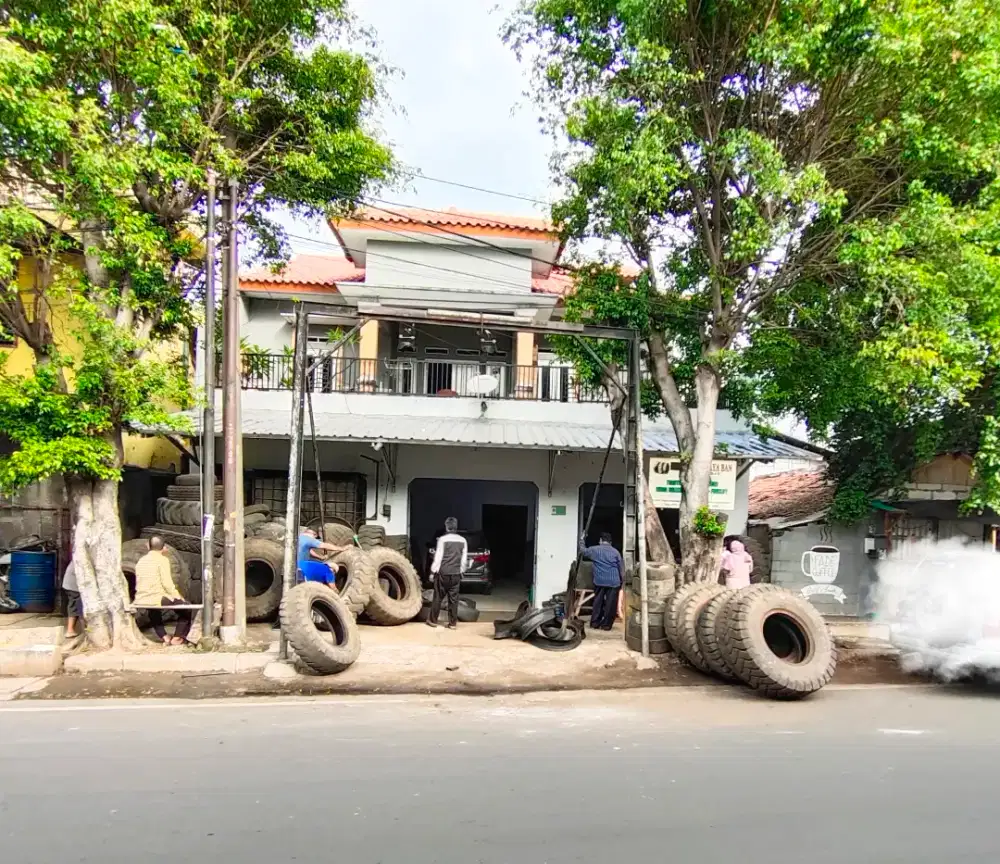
(459, 110)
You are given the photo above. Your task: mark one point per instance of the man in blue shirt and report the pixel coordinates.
(308, 562)
(609, 572)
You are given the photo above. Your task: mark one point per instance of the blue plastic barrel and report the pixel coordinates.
(33, 580)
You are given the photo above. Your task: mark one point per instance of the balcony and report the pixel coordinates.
(421, 377)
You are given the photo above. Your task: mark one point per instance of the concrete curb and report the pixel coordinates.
(233, 663)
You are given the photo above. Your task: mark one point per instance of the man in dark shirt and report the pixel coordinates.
(451, 557)
(609, 572)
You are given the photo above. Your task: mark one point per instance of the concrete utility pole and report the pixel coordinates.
(295, 459)
(233, 624)
(208, 422)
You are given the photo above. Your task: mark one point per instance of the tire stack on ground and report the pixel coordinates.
(660, 584)
(766, 637)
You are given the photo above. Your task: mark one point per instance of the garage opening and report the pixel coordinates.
(609, 516)
(498, 519)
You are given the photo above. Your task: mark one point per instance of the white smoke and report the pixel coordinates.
(942, 604)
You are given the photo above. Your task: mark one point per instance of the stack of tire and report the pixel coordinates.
(660, 582)
(764, 636)
(320, 621)
(178, 522)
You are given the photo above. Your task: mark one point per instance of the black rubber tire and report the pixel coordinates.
(133, 550)
(503, 628)
(688, 613)
(170, 512)
(190, 493)
(251, 509)
(339, 535)
(777, 643)
(311, 647)
(188, 480)
(271, 531)
(708, 629)
(354, 578)
(467, 611)
(182, 542)
(396, 595)
(252, 519)
(656, 646)
(399, 542)
(574, 636)
(259, 555)
(671, 612)
(633, 625)
(659, 572)
(371, 536)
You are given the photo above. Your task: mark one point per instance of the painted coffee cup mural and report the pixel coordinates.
(821, 564)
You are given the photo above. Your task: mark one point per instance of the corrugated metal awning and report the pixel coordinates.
(491, 432)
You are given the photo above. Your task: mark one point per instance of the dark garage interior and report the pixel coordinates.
(500, 515)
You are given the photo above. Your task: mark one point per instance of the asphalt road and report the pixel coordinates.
(682, 775)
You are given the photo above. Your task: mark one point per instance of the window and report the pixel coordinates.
(343, 495)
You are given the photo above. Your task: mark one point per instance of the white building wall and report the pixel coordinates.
(557, 533)
(459, 267)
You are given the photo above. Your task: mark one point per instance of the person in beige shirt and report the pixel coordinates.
(154, 586)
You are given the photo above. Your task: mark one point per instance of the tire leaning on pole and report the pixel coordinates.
(777, 643)
(327, 651)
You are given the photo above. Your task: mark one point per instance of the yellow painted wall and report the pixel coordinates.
(141, 452)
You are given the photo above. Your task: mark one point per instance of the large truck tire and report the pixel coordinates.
(777, 643)
(671, 612)
(181, 541)
(338, 534)
(170, 512)
(712, 622)
(371, 536)
(188, 480)
(323, 651)
(688, 613)
(264, 561)
(396, 596)
(133, 550)
(190, 493)
(353, 579)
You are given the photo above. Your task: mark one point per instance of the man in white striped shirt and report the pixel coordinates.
(451, 557)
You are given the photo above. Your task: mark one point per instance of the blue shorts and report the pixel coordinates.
(315, 571)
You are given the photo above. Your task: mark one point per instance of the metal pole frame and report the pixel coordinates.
(208, 422)
(289, 570)
(230, 433)
(635, 388)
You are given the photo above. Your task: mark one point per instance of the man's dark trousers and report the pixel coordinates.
(605, 610)
(446, 587)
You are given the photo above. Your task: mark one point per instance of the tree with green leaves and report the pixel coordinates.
(112, 113)
(757, 156)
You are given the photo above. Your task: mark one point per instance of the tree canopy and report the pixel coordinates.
(809, 187)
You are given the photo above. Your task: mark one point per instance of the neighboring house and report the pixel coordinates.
(417, 423)
(788, 516)
(41, 509)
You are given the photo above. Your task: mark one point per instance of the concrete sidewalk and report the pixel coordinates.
(408, 659)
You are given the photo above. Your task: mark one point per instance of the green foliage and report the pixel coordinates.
(811, 188)
(112, 115)
(986, 469)
(708, 523)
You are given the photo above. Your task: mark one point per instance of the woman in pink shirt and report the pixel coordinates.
(737, 565)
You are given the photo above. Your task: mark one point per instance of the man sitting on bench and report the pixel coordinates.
(154, 586)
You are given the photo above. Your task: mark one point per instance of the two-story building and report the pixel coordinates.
(419, 422)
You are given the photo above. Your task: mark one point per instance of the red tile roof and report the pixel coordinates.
(304, 270)
(790, 495)
(450, 217)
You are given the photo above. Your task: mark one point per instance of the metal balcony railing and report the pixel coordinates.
(422, 377)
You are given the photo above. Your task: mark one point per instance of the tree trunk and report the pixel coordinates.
(97, 562)
(700, 553)
(657, 546)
